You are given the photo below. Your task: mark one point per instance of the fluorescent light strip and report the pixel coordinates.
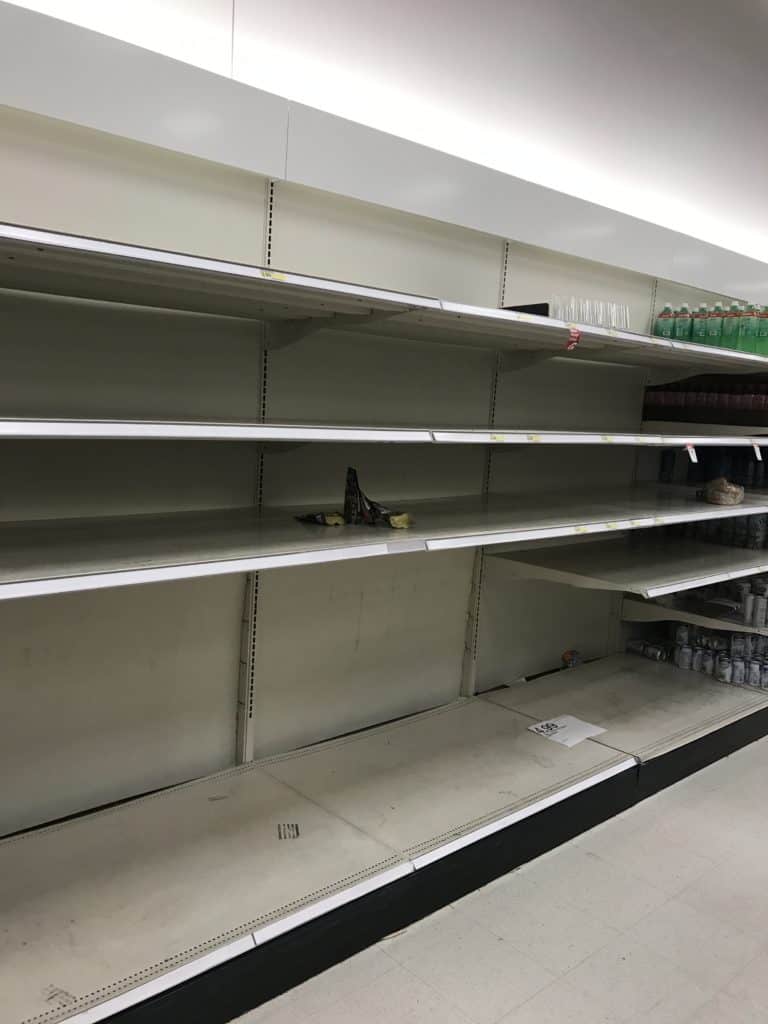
(184, 261)
(164, 982)
(132, 577)
(490, 828)
(339, 899)
(202, 431)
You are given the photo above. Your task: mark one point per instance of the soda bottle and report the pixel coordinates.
(699, 328)
(731, 326)
(715, 325)
(748, 322)
(664, 325)
(683, 322)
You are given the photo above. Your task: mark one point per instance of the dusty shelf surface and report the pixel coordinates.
(48, 262)
(638, 564)
(698, 613)
(647, 708)
(102, 911)
(56, 556)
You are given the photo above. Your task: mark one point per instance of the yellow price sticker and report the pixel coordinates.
(273, 275)
(608, 438)
(533, 438)
(498, 437)
(581, 529)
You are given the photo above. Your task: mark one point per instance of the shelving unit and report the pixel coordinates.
(152, 893)
(58, 556)
(648, 568)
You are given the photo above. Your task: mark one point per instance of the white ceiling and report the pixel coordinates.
(653, 109)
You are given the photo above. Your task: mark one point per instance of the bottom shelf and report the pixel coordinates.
(647, 708)
(102, 912)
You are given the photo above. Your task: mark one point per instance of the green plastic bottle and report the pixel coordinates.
(731, 326)
(699, 328)
(664, 324)
(748, 328)
(715, 325)
(683, 323)
(761, 345)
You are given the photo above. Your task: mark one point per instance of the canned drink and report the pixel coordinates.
(723, 668)
(685, 656)
(764, 676)
(655, 652)
(708, 664)
(748, 607)
(698, 659)
(759, 612)
(682, 633)
(635, 646)
(719, 643)
(749, 645)
(760, 587)
(742, 588)
(738, 671)
(754, 668)
(738, 645)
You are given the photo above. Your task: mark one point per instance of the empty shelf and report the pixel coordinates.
(638, 565)
(647, 708)
(54, 263)
(135, 898)
(698, 613)
(191, 430)
(166, 886)
(188, 430)
(56, 556)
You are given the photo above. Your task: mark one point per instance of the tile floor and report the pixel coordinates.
(659, 916)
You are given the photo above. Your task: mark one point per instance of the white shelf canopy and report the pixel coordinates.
(48, 262)
(649, 567)
(47, 556)
(647, 708)
(145, 906)
(30, 428)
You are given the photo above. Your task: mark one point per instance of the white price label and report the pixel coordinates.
(758, 452)
(566, 730)
(692, 453)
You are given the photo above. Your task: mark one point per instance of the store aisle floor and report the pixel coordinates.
(659, 916)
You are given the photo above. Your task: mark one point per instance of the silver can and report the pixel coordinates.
(698, 659)
(759, 612)
(754, 668)
(682, 633)
(764, 675)
(738, 671)
(635, 646)
(723, 668)
(760, 587)
(748, 608)
(685, 656)
(738, 645)
(708, 663)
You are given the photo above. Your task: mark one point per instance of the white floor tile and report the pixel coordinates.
(606, 890)
(751, 984)
(627, 979)
(705, 947)
(481, 973)
(555, 934)
(724, 1009)
(560, 1003)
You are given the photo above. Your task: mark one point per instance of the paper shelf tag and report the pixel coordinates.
(566, 729)
(758, 452)
(692, 453)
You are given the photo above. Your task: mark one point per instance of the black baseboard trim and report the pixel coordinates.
(678, 764)
(242, 984)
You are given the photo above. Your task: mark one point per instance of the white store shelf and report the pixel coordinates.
(638, 565)
(698, 613)
(647, 708)
(59, 556)
(166, 885)
(557, 437)
(54, 263)
(29, 428)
